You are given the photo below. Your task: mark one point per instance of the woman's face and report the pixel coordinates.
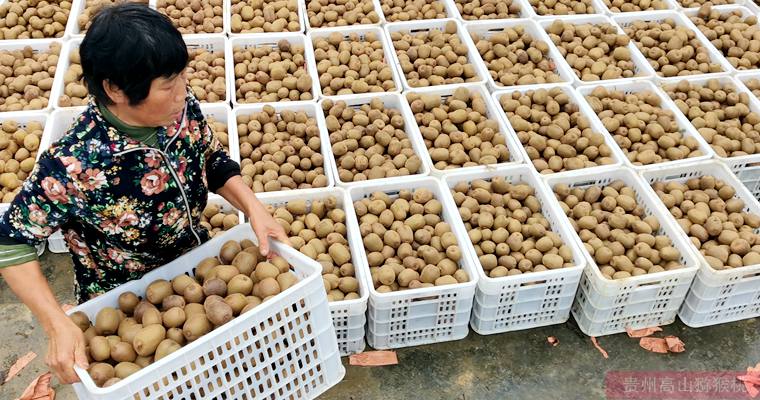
(164, 104)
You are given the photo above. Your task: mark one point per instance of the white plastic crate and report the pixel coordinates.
(22, 118)
(65, 28)
(311, 109)
(639, 305)
(746, 304)
(599, 9)
(685, 127)
(515, 155)
(269, 40)
(641, 67)
(746, 167)
(40, 247)
(72, 28)
(225, 20)
(669, 5)
(588, 318)
(77, 8)
(349, 316)
(679, 7)
(749, 4)
(723, 9)
(455, 13)
(304, 6)
(747, 170)
(37, 46)
(223, 113)
(451, 12)
(361, 31)
(228, 19)
(488, 28)
(716, 296)
(212, 43)
(604, 306)
(616, 154)
(742, 295)
(418, 316)
(414, 27)
(745, 76)
(626, 19)
(59, 85)
(225, 206)
(57, 243)
(390, 100)
(284, 348)
(529, 300)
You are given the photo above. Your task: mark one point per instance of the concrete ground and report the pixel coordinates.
(516, 365)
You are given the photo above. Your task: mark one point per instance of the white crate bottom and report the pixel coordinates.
(667, 293)
(347, 329)
(704, 285)
(523, 305)
(747, 169)
(57, 243)
(518, 316)
(703, 296)
(731, 313)
(595, 321)
(442, 309)
(710, 305)
(432, 321)
(352, 347)
(748, 299)
(418, 337)
(607, 327)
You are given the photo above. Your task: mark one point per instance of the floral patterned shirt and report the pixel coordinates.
(124, 207)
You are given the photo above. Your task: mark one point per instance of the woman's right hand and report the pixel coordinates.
(66, 345)
(66, 348)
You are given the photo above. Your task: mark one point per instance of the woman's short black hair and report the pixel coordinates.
(130, 45)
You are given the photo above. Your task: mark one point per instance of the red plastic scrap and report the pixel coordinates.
(39, 389)
(374, 358)
(598, 347)
(553, 341)
(751, 380)
(675, 345)
(655, 345)
(639, 333)
(20, 363)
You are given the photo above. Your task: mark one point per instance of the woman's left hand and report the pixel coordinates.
(265, 226)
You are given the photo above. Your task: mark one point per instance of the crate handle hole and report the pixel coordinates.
(533, 283)
(751, 275)
(584, 183)
(424, 299)
(648, 284)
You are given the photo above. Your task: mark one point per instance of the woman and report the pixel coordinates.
(128, 182)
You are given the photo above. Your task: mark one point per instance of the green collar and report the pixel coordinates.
(145, 135)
